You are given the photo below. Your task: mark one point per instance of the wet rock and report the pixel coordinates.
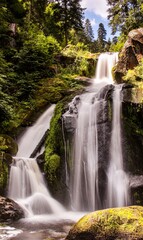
(115, 223)
(136, 189)
(106, 92)
(10, 210)
(70, 116)
(130, 55)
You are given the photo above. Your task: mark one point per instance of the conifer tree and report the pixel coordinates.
(88, 30)
(101, 37)
(125, 15)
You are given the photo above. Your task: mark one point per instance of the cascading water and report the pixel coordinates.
(28, 142)
(87, 191)
(26, 183)
(118, 182)
(105, 64)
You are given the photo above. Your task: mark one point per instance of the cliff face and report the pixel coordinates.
(130, 55)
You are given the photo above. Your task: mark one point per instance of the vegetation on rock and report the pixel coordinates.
(114, 223)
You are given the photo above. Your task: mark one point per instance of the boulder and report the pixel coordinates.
(130, 55)
(9, 210)
(115, 223)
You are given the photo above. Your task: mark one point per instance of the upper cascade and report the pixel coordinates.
(106, 62)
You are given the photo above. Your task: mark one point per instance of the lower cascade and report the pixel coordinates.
(26, 182)
(27, 187)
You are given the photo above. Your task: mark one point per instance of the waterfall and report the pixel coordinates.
(105, 64)
(85, 182)
(118, 182)
(94, 161)
(28, 142)
(26, 183)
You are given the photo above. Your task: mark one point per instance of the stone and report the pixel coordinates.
(9, 210)
(114, 223)
(130, 55)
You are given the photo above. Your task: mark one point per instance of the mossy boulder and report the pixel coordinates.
(115, 223)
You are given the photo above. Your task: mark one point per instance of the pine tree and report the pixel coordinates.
(71, 16)
(101, 37)
(88, 31)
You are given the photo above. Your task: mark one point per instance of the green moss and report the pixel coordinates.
(51, 165)
(3, 173)
(54, 149)
(8, 145)
(115, 222)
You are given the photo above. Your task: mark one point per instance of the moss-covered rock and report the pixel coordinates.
(115, 223)
(54, 166)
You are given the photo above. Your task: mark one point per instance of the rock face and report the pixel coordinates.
(130, 55)
(115, 223)
(9, 210)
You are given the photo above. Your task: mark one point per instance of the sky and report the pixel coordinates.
(96, 12)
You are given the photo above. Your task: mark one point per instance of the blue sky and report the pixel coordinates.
(96, 12)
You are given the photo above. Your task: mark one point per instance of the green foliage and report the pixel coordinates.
(125, 15)
(8, 145)
(135, 76)
(116, 46)
(81, 58)
(61, 17)
(3, 174)
(38, 54)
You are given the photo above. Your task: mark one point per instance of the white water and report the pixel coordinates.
(118, 182)
(105, 64)
(84, 177)
(27, 187)
(32, 136)
(26, 183)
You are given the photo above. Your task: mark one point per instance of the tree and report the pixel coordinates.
(115, 40)
(125, 15)
(101, 36)
(53, 21)
(71, 16)
(88, 31)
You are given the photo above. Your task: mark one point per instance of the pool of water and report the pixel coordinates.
(40, 227)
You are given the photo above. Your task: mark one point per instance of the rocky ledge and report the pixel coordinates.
(131, 54)
(115, 223)
(9, 210)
